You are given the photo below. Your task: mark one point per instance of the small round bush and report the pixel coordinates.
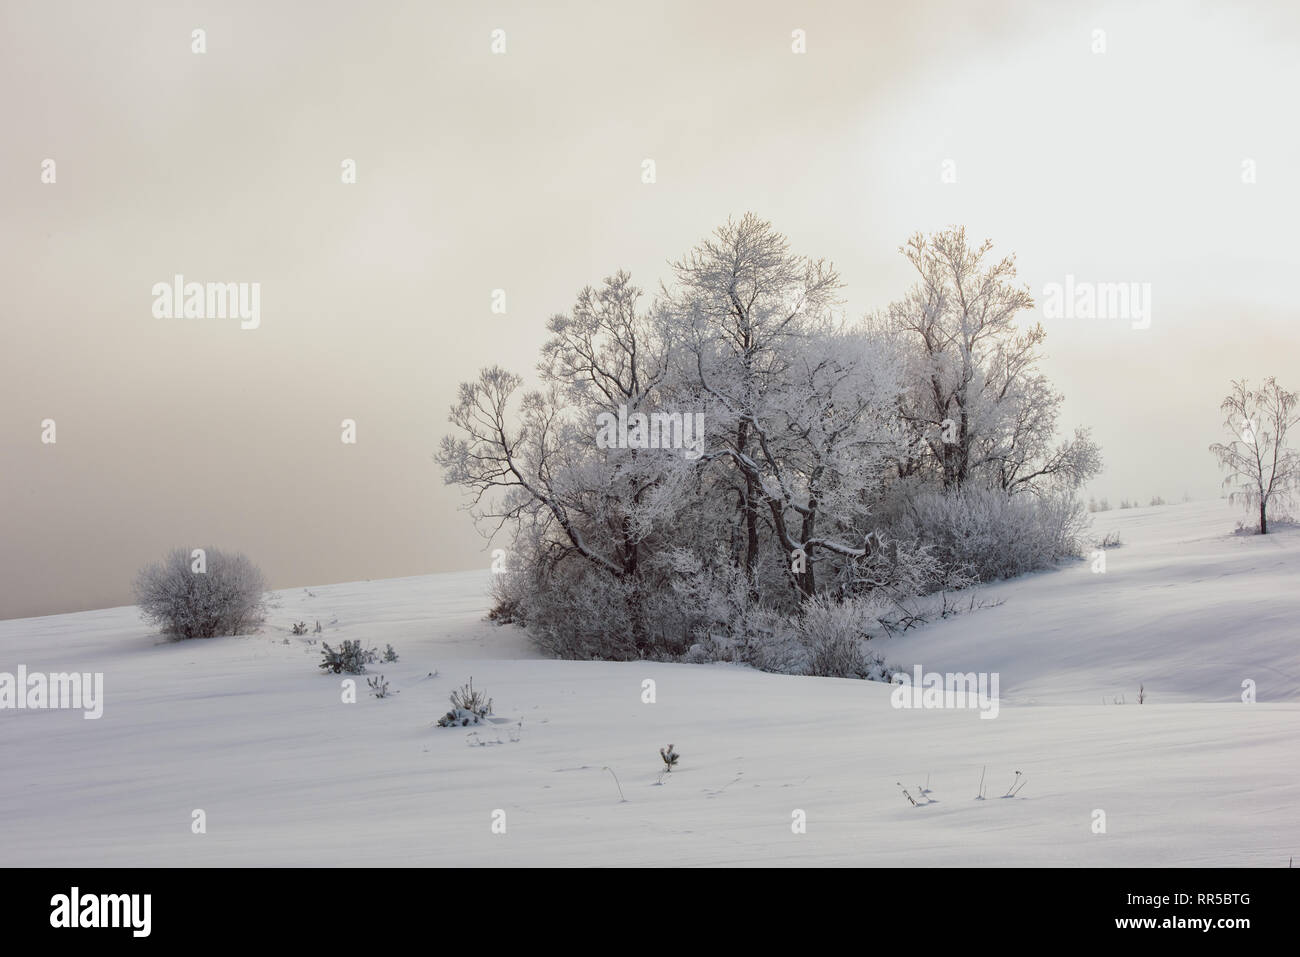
(227, 597)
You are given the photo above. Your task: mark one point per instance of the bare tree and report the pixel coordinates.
(977, 403)
(533, 465)
(967, 354)
(531, 460)
(604, 356)
(605, 348)
(1261, 469)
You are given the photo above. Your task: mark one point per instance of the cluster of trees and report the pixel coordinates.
(844, 466)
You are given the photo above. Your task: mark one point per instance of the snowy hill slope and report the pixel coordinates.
(1184, 608)
(252, 733)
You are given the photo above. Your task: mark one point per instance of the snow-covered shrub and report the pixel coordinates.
(828, 639)
(300, 628)
(507, 596)
(379, 687)
(1062, 522)
(460, 718)
(349, 657)
(990, 534)
(227, 597)
(725, 618)
(757, 635)
(467, 707)
(834, 636)
(824, 636)
(898, 569)
(578, 612)
(389, 654)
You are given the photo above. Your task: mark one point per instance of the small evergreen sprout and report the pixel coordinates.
(350, 657)
(670, 757)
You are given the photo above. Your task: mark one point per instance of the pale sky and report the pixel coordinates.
(522, 172)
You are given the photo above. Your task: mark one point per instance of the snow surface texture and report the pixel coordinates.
(250, 731)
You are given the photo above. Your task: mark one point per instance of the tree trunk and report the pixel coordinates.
(749, 510)
(641, 639)
(1263, 518)
(809, 583)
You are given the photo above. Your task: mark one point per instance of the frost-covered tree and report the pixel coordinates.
(533, 460)
(976, 403)
(744, 299)
(819, 444)
(225, 594)
(1261, 469)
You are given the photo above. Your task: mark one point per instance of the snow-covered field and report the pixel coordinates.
(250, 731)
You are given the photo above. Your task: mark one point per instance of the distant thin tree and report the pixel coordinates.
(1261, 469)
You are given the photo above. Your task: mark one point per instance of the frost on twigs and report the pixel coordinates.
(379, 687)
(467, 707)
(202, 593)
